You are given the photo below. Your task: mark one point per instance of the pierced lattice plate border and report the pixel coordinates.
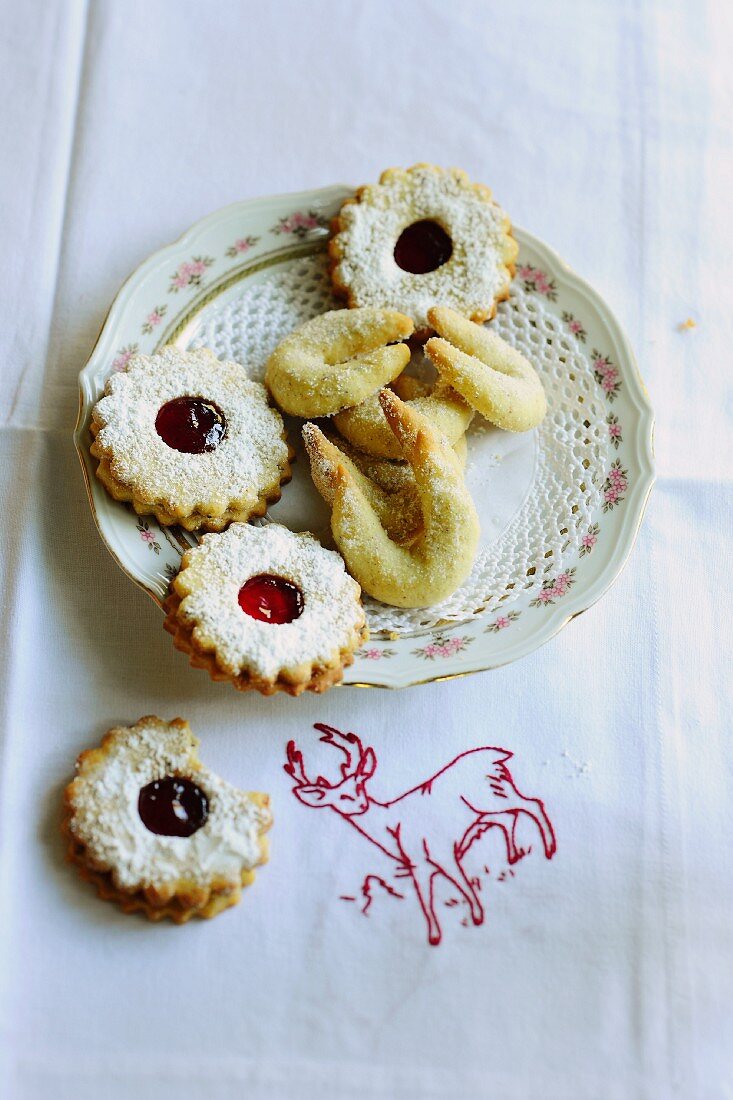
(536, 492)
(176, 296)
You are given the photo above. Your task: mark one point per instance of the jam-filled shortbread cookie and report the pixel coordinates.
(423, 236)
(189, 439)
(336, 360)
(490, 374)
(266, 609)
(156, 831)
(439, 558)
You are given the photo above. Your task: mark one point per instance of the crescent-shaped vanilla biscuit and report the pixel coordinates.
(338, 359)
(365, 425)
(390, 486)
(440, 558)
(393, 496)
(494, 377)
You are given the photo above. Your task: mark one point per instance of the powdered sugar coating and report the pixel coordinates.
(213, 574)
(338, 359)
(554, 507)
(105, 819)
(249, 460)
(439, 559)
(470, 281)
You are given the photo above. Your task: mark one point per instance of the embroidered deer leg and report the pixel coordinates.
(464, 886)
(536, 810)
(506, 821)
(468, 889)
(422, 876)
(461, 882)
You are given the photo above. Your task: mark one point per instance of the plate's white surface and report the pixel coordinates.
(167, 299)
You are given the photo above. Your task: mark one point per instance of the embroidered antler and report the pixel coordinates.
(477, 780)
(347, 743)
(295, 767)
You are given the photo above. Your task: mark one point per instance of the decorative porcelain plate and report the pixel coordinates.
(559, 507)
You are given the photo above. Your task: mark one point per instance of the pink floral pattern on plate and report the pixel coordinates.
(589, 540)
(147, 536)
(575, 326)
(441, 646)
(153, 319)
(606, 375)
(373, 653)
(241, 245)
(151, 315)
(300, 224)
(614, 431)
(501, 622)
(615, 486)
(189, 274)
(554, 588)
(124, 355)
(537, 282)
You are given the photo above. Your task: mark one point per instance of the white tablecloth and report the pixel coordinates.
(606, 972)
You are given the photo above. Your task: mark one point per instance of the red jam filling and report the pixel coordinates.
(422, 247)
(173, 806)
(191, 425)
(271, 599)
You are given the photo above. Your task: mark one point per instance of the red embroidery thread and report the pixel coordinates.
(475, 790)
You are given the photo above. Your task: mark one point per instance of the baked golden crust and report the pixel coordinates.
(337, 359)
(191, 521)
(233, 479)
(176, 899)
(441, 284)
(493, 377)
(389, 486)
(440, 557)
(303, 651)
(365, 425)
(319, 679)
(179, 908)
(195, 520)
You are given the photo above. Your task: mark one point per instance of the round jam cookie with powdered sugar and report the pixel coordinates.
(189, 439)
(267, 609)
(155, 830)
(423, 236)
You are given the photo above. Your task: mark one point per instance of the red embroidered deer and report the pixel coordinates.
(429, 829)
